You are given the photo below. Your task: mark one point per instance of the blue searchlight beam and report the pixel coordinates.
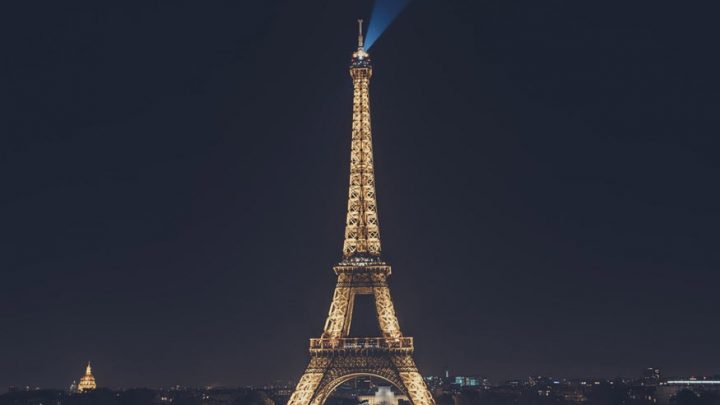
(383, 14)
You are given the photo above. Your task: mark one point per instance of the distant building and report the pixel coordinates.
(668, 389)
(471, 381)
(383, 396)
(87, 382)
(651, 376)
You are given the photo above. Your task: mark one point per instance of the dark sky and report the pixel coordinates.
(174, 180)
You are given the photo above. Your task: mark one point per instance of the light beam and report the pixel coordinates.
(383, 14)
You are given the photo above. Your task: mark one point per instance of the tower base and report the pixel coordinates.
(328, 370)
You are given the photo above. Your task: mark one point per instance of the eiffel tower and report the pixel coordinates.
(335, 357)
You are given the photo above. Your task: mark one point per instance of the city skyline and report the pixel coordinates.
(648, 376)
(177, 177)
(651, 388)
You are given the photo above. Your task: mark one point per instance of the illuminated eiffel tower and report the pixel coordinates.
(335, 357)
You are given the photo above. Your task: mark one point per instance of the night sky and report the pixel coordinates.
(174, 184)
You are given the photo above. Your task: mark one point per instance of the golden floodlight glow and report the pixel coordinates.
(87, 382)
(335, 357)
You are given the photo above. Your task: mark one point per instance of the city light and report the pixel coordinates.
(693, 382)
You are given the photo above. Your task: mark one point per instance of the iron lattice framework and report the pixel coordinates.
(362, 231)
(335, 357)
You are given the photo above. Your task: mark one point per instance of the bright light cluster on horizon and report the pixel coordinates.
(694, 382)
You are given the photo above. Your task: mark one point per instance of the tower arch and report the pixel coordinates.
(324, 392)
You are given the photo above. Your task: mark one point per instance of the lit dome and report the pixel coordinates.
(87, 382)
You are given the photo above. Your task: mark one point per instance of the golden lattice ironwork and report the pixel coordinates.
(362, 230)
(399, 345)
(87, 382)
(335, 357)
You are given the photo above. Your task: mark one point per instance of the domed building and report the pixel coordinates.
(87, 382)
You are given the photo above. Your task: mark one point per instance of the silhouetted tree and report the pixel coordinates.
(468, 397)
(531, 397)
(100, 396)
(137, 396)
(445, 399)
(186, 398)
(32, 397)
(710, 398)
(607, 394)
(686, 397)
(254, 397)
(489, 397)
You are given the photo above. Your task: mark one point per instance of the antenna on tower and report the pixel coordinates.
(361, 41)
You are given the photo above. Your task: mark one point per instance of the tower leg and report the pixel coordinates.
(309, 382)
(415, 386)
(338, 320)
(389, 324)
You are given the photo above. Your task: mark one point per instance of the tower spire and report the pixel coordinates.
(361, 40)
(362, 231)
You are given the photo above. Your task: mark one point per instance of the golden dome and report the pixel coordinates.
(87, 382)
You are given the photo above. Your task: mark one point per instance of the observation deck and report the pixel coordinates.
(326, 346)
